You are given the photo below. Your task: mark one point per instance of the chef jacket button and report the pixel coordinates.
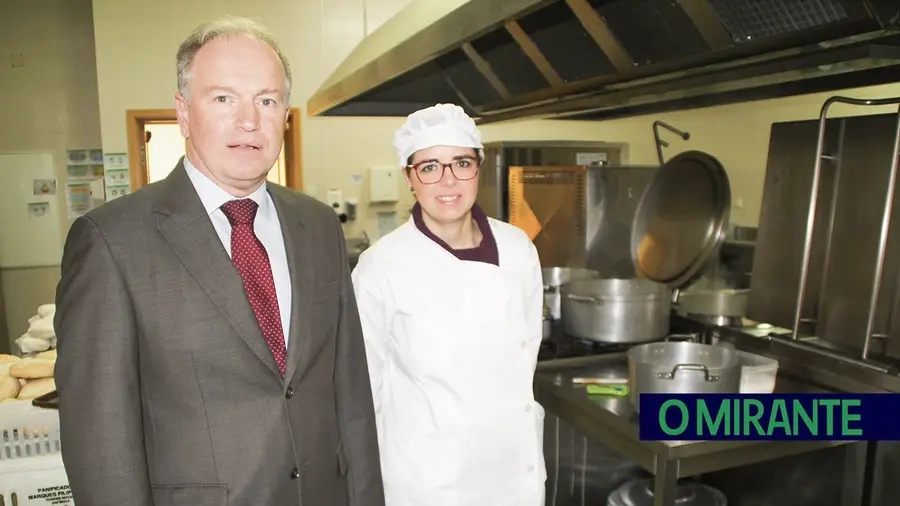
(289, 393)
(295, 473)
(528, 407)
(530, 469)
(524, 344)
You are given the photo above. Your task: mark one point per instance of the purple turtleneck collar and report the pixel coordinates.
(485, 252)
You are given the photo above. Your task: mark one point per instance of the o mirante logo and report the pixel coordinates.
(840, 417)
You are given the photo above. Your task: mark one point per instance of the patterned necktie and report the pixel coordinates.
(251, 260)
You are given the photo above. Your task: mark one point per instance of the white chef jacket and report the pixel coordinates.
(452, 347)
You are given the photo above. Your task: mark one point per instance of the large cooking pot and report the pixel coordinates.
(717, 306)
(554, 278)
(682, 368)
(616, 310)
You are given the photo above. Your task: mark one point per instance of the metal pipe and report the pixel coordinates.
(882, 240)
(813, 197)
(836, 158)
(811, 215)
(832, 354)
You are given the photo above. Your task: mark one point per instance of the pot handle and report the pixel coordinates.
(688, 367)
(584, 298)
(680, 338)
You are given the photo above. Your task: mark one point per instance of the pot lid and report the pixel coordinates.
(639, 493)
(681, 220)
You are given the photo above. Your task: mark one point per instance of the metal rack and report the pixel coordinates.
(811, 216)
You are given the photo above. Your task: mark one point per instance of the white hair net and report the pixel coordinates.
(438, 125)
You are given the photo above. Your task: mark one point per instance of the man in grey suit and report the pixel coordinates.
(210, 351)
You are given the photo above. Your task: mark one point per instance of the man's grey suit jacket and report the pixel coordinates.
(169, 394)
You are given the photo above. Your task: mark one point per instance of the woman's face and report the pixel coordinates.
(449, 199)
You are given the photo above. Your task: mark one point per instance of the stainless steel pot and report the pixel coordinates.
(616, 310)
(721, 302)
(682, 368)
(554, 278)
(725, 307)
(640, 493)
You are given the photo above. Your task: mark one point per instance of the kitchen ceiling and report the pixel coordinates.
(601, 59)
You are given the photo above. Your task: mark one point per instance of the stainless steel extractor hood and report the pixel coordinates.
(599, 59)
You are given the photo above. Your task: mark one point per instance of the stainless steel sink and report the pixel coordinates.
(355, 247)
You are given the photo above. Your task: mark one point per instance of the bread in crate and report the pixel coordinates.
(25, 379)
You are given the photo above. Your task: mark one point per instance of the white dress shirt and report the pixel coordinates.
(266, 226)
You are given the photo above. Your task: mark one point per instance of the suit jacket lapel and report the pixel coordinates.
(186, 226)
(297, 240)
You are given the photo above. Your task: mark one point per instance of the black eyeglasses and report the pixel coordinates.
(463, 168)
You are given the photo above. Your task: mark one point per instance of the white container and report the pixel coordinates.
(31, 466)
(758, 373)
(35, 481)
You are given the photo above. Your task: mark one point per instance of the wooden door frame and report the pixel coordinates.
(137, 119)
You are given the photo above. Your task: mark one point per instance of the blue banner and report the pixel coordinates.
(781, 417)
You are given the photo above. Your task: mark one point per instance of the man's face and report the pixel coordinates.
(235, 113)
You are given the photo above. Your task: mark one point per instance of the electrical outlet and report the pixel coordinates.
(335, 199)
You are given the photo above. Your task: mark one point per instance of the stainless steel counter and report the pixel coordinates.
(612, 422)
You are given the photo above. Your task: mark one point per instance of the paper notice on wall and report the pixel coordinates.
(114, 192)
(590, 158)
(38, 209)
(115, 161)
(387, 222)
(86, 164)
(78, 199)
(44, 187)
(118, 175)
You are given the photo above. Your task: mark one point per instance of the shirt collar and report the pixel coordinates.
(213, 196)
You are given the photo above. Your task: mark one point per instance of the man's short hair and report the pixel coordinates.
(225, 27)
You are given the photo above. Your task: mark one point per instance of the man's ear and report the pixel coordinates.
(181, 115)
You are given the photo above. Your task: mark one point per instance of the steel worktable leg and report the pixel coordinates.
(857, 456)
(665, 482)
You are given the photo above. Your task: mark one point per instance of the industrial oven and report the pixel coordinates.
(575, 200)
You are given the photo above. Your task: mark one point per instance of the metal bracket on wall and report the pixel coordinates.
(663, 144)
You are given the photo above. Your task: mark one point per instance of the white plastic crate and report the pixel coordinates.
(35, 481)
(31, 466)
(27, 431)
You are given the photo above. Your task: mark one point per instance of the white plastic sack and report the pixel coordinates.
(30, 344)
(42, 328)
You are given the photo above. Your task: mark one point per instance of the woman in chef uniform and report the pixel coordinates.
(451, 309)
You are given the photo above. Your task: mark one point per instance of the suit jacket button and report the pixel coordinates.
(295, 473)
(289, 393)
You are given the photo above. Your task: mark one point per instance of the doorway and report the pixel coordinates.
(155, 145)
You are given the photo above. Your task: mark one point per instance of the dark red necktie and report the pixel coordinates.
(251, 260)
